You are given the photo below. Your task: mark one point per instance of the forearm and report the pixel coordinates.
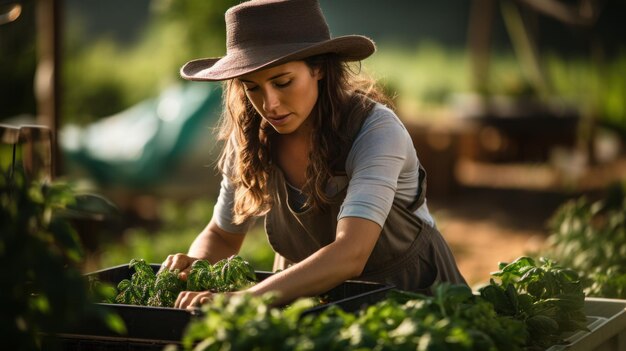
(214, 244)
(343, 259)
(317, 274)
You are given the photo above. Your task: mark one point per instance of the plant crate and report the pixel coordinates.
(606, 320)
(154, 327)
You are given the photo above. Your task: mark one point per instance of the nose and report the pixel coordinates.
(270, 100)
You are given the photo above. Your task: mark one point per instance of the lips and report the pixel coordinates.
(277, 120)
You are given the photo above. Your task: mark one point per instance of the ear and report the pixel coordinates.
(317, 72)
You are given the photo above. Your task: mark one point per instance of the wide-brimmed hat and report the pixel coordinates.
(266, 33)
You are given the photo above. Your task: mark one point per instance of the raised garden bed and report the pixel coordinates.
(154, 327)
(607, 325)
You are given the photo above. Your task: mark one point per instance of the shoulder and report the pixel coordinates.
(382, 139)
(382, 122)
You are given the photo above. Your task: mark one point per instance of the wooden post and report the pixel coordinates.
(47, 77)
(479, 40)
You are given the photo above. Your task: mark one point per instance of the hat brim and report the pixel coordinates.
(349, 48)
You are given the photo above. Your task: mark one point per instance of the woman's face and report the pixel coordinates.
(284, 95)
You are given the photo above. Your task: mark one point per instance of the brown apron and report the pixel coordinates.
(409, 254)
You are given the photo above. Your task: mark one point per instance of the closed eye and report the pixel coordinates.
(282, 84)
(278, 84)
(250, 88)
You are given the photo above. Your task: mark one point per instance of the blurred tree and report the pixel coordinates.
(106, 76)
(205, 28)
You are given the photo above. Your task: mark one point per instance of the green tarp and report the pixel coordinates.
(139, 146)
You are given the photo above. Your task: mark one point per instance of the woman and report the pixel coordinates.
(310, 148)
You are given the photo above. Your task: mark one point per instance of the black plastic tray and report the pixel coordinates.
(162, 325)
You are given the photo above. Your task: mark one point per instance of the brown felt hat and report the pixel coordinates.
(266, 33)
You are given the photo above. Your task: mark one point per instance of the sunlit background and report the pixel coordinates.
(514, 107)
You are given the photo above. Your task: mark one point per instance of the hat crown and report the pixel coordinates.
(266, 33)
(254, 24)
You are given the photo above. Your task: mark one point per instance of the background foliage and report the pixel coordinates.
(104, 77)
(43, 287)
(181, 223)
(590, 237)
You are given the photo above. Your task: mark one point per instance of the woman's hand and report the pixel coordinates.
(192, 299)
(179, 261)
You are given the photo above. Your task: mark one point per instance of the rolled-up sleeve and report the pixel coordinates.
(223, 209)
(378, 156)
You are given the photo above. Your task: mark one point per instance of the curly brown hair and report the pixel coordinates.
(345, 96)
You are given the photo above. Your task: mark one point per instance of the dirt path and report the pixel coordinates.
(485, 227)
(480, 245)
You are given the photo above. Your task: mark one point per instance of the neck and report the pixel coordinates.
(292, 156)
(294, 144)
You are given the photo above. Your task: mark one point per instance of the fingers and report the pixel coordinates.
(184, 273)
(184, 299)
(181, 261)
(205, 299)
(167, 263)
(192, 299)
(178, 261)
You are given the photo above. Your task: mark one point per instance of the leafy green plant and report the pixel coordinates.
(590, 237)
(43, 288)
(532, 306)
(549, 299)
(140, 287)
(231, 274)
(244, 322)
(453, 319)
(147, 288)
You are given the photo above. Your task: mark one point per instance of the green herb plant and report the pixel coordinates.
(147, 288)
(452, 319)
(590, 237)
(528, 305)
(43, 290)
(548, 298)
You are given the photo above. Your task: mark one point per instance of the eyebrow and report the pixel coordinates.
(270, 78)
